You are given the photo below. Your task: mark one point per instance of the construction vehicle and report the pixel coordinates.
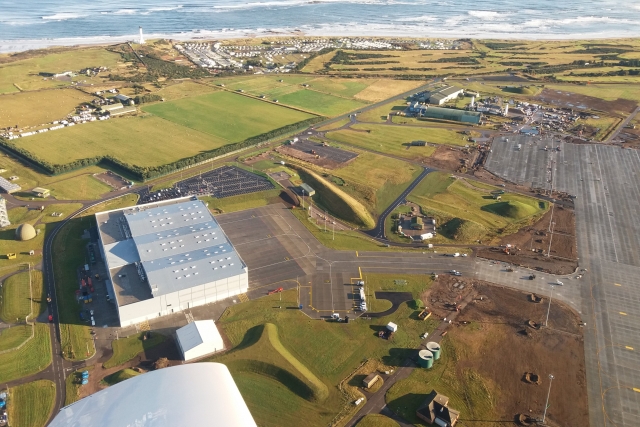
(532, 276)
(275, 291)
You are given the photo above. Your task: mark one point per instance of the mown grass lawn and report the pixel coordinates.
(376, 420)
(228, 116)
(83, 187)
(119, 376)
(242, 201)
(331, 353)
(125, 349)
(33, 357)
(16, 299)
(31, 404)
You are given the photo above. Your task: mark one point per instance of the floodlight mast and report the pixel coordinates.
(544, 416)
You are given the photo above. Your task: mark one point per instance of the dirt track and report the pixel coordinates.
(491, 338)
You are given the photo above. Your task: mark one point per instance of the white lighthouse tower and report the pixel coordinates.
(141, 37)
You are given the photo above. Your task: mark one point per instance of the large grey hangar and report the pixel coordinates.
(166, 257)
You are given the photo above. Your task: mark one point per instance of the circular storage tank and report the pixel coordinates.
(425, 359)
(25, 232)
(434, 348)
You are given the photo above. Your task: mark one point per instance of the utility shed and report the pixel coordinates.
(41, 192)
(199, 339)
(370, 380)
(306, 190)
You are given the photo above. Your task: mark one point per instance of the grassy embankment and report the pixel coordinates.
(125, 349)
(333, 352)
(31, 404)
(69, 254)
(466, 212)
(119, 376)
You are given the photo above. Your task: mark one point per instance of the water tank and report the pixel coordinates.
(434, 348)
(425, 359)
(25, 232)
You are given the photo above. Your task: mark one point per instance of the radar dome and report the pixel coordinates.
(25, 232)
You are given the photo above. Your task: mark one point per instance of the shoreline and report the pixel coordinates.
(23, 45)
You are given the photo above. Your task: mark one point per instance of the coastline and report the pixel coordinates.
(22, 45)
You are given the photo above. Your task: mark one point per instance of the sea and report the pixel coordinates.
(30, 24)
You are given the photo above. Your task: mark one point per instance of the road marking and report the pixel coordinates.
(623, 313)
(637, 390)
(617, 284)
(628, 348)
(357, 254)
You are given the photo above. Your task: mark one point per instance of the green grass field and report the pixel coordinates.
(243, 201)
(16, 299)
(33, 357)
(125, 349)
(73, 384)
(227, 116)
(335, 350)
(24, 73)
(65, 209)
(374, 180)
(69, 253)
(31, 403)
(37, 108)
(83, 187)
(157, 141)
(466, 211)
(342, 87)
(119, 376)
(9, 244)
(376, 420)
(320, 103)
(184, 89)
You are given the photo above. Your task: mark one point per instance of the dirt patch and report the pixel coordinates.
(582, 102)
(450, 158)
(530, 244)
(112, 179)
(489, 339)
(446, 293)
(315, 159)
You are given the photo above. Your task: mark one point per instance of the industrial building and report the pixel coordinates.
(166, 257)
(439, 113)
(199, 339)
(444, 95)
(8, 186)
(199, 394)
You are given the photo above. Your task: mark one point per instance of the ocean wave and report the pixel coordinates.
(487, 15)
(422, 18)
(63, 16)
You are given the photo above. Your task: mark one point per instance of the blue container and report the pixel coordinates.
(85, 381)
(2, 403)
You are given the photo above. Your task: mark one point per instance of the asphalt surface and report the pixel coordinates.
(606, 181)
(396, 298)
(378, 231)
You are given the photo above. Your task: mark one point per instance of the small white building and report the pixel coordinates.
(392, 327)
(198, 339)
(426, 236)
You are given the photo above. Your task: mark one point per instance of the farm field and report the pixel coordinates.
(466, 212)
(36, 108)
(281, 361)
(184, 89)
(31, 403)
(226, 116)
(320, 103)
(114, 137)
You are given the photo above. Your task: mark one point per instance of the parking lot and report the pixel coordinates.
(605, 181)
(222, 182)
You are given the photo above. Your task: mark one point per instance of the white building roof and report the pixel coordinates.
(194, 395)
(198, 333)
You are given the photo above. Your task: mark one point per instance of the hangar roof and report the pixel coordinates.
(184, 395)
(197, 333)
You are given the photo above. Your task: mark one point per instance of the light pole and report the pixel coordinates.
(544, 416)
(548, 308)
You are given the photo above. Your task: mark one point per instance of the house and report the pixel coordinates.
(41, 192)
(370, 380)
(435, 410)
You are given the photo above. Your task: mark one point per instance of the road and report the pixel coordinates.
(622, 125)
(378, 231)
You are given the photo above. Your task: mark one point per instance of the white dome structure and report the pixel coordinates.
(25, 232)
(195, 395)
